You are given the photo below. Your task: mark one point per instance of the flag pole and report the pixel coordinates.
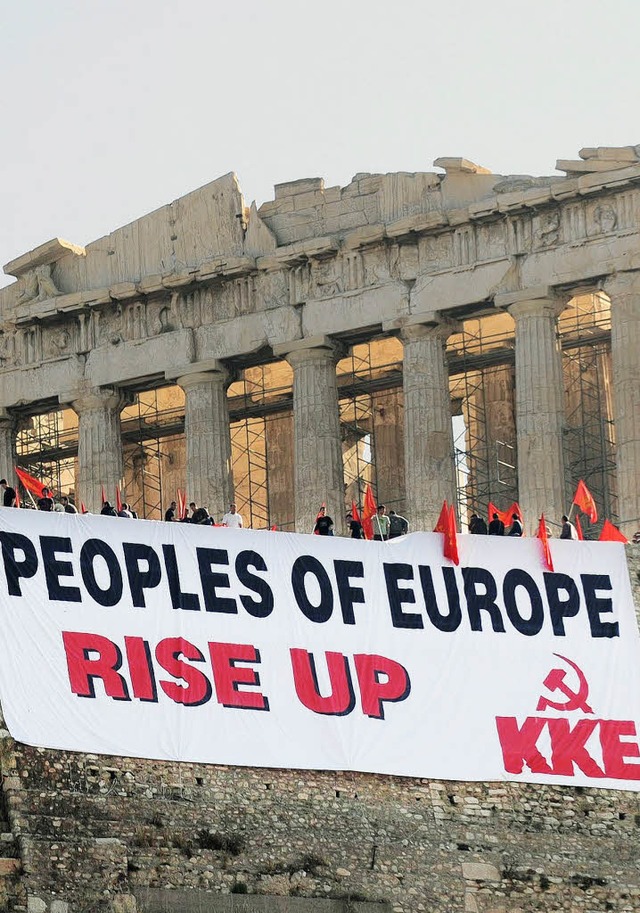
(571, 511)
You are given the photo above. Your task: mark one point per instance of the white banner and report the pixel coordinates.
(169, 641)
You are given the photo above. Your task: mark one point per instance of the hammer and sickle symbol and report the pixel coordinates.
(555, 681)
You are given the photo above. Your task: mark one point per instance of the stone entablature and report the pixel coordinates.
(414, 249)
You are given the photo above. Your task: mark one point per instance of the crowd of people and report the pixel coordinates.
(496, 527)
(385, 525)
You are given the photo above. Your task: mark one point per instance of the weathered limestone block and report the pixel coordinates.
(99, 445)
(319, 475)
(540, 414)
(624, 291)
(428, 433)
(206, 420)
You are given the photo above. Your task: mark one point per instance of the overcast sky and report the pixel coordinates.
(111, 108)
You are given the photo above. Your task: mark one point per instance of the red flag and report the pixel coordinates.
(369, 510)
(118, 499)
(611, 533)
(505, 515)
(443, 519)
(447, 525)
(30, 483)
(104, 497)
(274, 528)
(584, 500)
(451, 538)
(17, 504)
(182, 503)
(83, 509)
(544, 538)
(354, 512)
(579, 529)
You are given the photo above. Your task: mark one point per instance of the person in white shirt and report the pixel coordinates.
(232, 518)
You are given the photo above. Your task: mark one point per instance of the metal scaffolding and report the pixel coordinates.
(481, 358)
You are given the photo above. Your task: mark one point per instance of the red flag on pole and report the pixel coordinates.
(544, 539)
(182, 503)
(17, 504)
(355, 515)
(104, 497)
(611, 533)
(83, 509)
(451, 538)
(584, 500)
(118, 499)
(274, 528)
(447, 525)
(369, 510)
(443, 519)
(579, 529)
(30, 483)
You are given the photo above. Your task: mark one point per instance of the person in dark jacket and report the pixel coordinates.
(108, 510)
(516, 526)
(496, 527)
(477, 526)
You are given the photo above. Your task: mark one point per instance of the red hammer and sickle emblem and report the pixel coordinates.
(555, 681)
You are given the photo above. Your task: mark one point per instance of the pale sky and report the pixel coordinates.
(111, 108)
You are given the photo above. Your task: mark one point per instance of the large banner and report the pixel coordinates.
(169, 641)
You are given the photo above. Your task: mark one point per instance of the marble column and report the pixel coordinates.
(388, 448)
(8, 431)
(99, 446)
(500, 434)
(318, 469)
(428, 434)
(208, 434)
(624, 292)
(280, 471)
(540, 413)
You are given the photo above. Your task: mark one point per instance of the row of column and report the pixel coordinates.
(428, 440)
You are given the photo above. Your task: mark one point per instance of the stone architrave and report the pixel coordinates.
(208, 434)
(8, 430)
(540, 412)
(428, 433)
(100, 461)
(319, 474)
(624, 292)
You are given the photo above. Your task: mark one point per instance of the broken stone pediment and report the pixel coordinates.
(600, 158)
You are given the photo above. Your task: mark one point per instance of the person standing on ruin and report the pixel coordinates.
(232, 518)
(477, 526)
(516, 526)
(9, 494)
(568, 529)
(67, 506)
(170, 512)
(381, 524)
(324, 523)
(354, 526)
(496, 527)
(398, 526)
(45, 502)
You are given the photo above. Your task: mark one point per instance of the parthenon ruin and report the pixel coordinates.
(454, 334)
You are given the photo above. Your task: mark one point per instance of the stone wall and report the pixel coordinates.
(102, 833)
